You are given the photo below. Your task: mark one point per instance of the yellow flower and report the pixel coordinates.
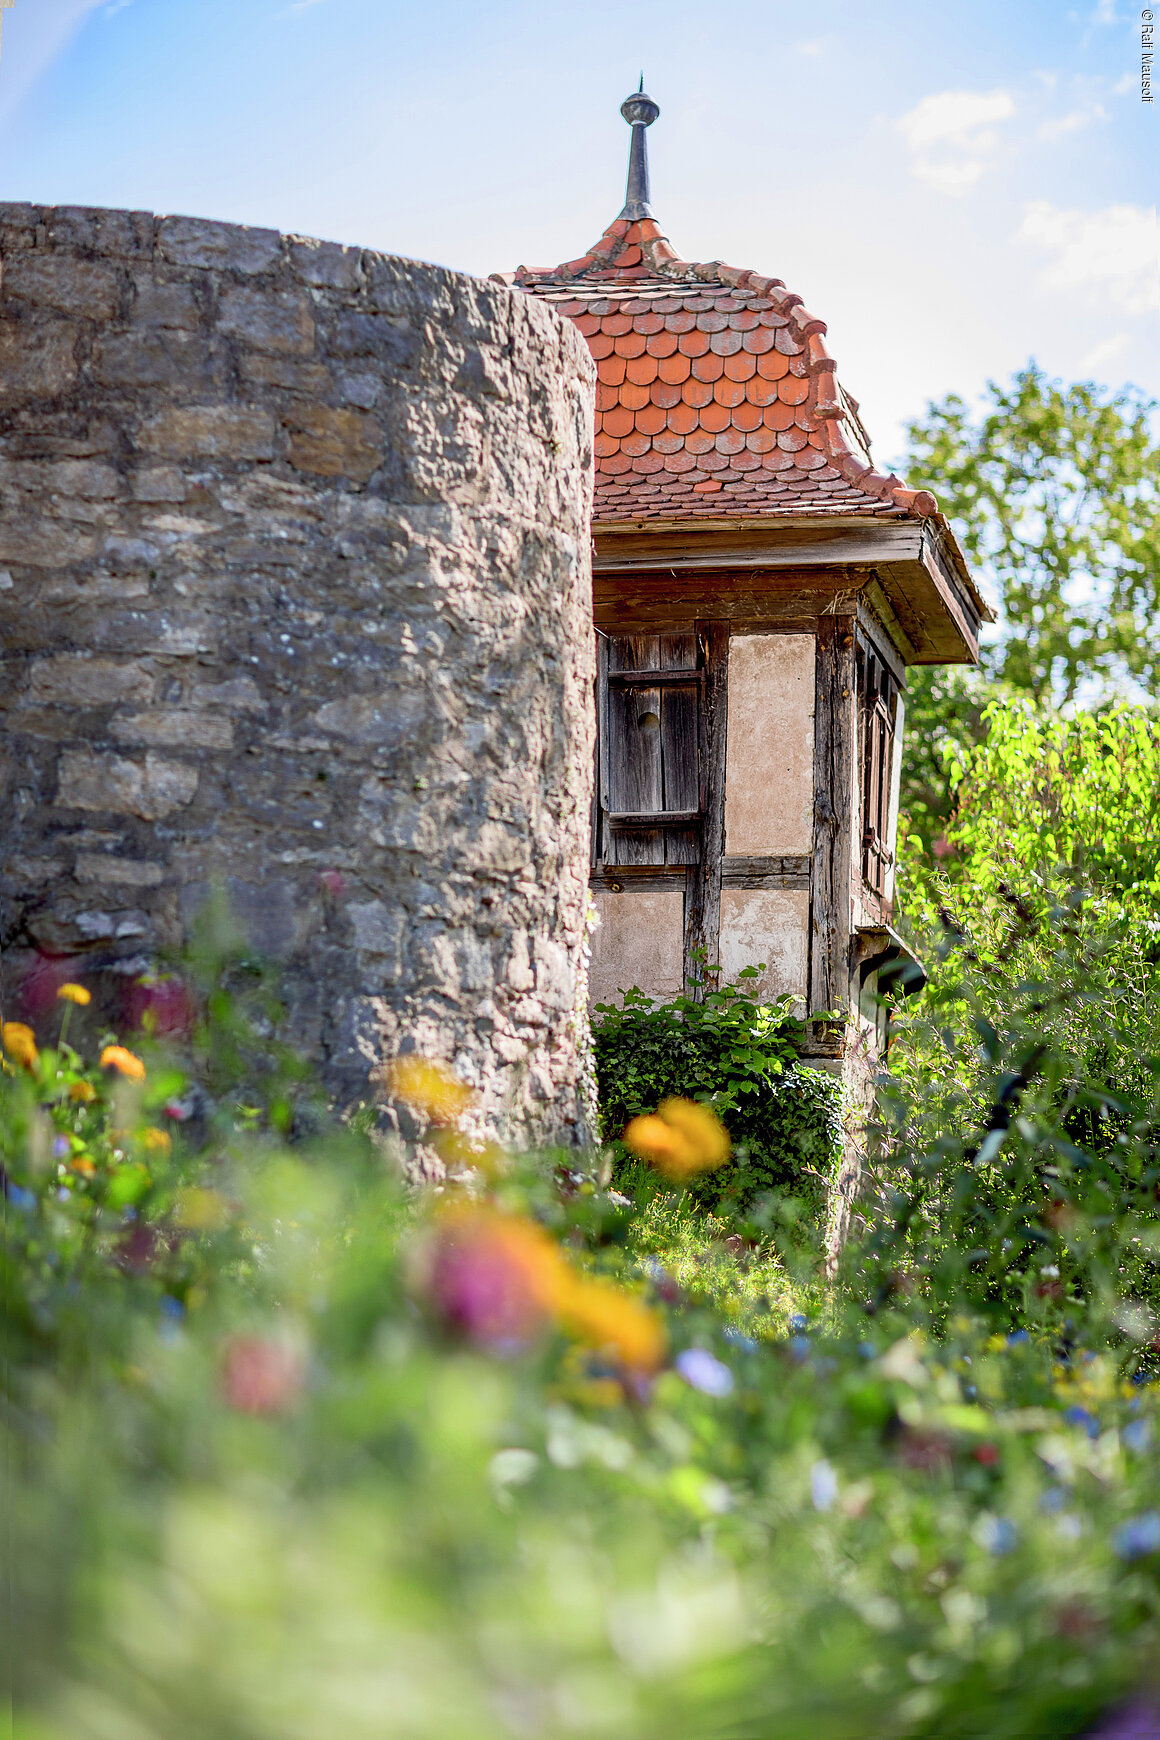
(20, 1043)
(77, 994)
(199, 1210)
(614, 1322)
(83, 1092)
(124, 1062)
(156, 1141)
(680, 1139)
(428, 1087)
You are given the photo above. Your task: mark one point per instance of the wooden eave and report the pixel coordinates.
(793, 570)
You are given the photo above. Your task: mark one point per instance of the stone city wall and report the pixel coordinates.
(295, 599)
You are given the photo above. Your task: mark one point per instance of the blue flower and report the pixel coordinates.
(1077, 1416)
(867, 1350)
(1137, 1435)
(800, 1347)
(21, 1198)
(1138, 1537)
(60, 1148)
(997, 1533)
(799, 1321)
(703, 1372)
(1017, 1338)
(738, 1338)
(1054, 1499)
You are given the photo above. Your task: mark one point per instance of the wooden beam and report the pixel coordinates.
(789, 871)
(835, 741)
(770, 544)
(703, 899)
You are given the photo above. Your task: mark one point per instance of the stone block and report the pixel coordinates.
(93, 230)
(159, 483)
(215, 432)
(279, 323)
(80, 287)
(149, 789)
(157, 359)
(334, 443)
(165, 305)
(175, 728)
(37, 364)
(129, 872)
(291, 375)
(185, 241)
(325, 265)
(239, 694)
(45, 543)
(73, 680)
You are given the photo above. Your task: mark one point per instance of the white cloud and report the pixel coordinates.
(951, 136)
(1100, 355)
(816, 46)
(1113, 251)
(1071, 123)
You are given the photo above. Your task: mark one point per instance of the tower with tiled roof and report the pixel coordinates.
(760, 589)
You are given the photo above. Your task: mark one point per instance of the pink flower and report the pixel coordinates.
(261, 1376)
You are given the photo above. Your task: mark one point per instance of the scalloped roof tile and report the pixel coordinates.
(716, 395)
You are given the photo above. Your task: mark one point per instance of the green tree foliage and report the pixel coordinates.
(1054, 492)
(1027, 1079)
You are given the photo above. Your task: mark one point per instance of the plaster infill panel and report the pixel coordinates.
(640, 940)
(769, 762)
(770, 925)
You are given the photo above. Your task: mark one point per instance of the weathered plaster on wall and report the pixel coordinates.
(769, 774)
(770, 925)
(639, 941)
(295, 596)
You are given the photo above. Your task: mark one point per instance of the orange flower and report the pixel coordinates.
(83, 1164)
(156, 1141)
(615, 1323)
(20, 1044)
(124, 1062)
(680, 1139)
(77, 994)
(428, 1087)
(83, 1092)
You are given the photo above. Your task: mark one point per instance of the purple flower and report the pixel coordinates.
(1138, 1537)
(60, 1148)
(703, 1372)
(823, 1485)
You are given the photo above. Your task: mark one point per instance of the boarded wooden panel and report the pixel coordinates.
(635, 783)
(682, 845)
(679, 756)
(637, 846)
(703, 907)
(835, 748)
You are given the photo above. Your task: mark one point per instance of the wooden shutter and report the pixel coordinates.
(649, 721)
(879, 696)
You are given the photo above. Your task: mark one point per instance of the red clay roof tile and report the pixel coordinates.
(716, 392)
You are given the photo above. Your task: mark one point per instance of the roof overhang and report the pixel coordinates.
(644, 573)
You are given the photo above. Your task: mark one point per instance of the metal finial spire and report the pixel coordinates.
(640, 112)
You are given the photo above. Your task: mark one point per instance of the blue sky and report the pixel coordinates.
(954, 189)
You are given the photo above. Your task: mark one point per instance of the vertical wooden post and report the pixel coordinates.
(703, 889)
(835, 756)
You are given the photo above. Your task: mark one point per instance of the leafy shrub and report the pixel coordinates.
(740, 1057)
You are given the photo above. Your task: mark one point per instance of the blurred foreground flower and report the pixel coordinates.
(428, 1087)
(71, 993)
(260, 1375)
(82, 1093)
(126, 1063)
(614, 1323)
(703, 1372)
(157, 1142)
(680, 1139)
(503, 1280)
(20, 1044)
(494, 1277)
(201, 1210)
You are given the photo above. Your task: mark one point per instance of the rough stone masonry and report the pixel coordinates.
(295, 600)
